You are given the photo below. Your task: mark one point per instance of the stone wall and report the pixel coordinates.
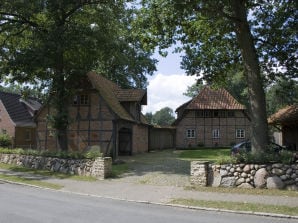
(100, 168)
(271, 176)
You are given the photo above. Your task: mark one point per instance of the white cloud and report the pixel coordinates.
(167, 91)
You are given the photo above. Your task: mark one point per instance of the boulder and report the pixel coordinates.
(275, 183)
(228, 182)
(240, 181)
(246, 186)
(246, 169)
(260, 178)
(292, 187)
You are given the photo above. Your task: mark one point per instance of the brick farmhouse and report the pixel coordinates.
(16, 119)
(212, 118)
(105, 115)
(102, 114)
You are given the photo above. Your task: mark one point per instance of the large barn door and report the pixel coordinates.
(125, 142)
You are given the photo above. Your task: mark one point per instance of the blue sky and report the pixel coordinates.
(167, 85)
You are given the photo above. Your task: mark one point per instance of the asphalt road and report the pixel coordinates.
(23, 204)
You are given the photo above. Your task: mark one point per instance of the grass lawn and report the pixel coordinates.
(23, 180)
(206, 154)
(238, 206)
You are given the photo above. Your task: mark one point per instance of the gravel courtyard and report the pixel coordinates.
(157, 168)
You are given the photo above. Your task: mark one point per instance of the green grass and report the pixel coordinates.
(46, 173)
(119, 169)
(206, 154)
(31, 182)
(255, 191)
(238, 206)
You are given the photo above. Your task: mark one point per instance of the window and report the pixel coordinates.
(208, 114)
(240, 133)
(28, 135)
(4, 131)
(222, 114)
(231, 114)
(190, 133)
(215, 133)
(81, 100)
(200, 113)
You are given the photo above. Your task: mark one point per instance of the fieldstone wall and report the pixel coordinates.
(271, 176)
(100, 168)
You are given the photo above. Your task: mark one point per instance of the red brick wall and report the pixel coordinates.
(5, 122)
(94, 127)
(204, 126)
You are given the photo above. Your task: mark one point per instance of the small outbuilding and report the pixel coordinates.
(286, 120)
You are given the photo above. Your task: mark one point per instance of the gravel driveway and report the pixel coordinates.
(157, 168)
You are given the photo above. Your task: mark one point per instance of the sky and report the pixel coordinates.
(167, 85)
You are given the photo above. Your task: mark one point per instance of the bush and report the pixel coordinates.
(267, 156)
(5, 140)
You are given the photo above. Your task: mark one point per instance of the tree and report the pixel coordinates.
(57, 42)
(217, 36)
(193, 90)
(163, 117)
(280, 94)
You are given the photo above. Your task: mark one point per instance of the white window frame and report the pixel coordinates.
(240, 133)
(215, 133)
(190, 133)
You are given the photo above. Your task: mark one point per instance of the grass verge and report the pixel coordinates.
(207, 154)
(119, 169)
(45, 173)
(39, 183)
(255, 191)
(238, 206)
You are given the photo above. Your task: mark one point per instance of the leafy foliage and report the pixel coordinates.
(57, 42)
(163, 117)
(228, 36)
(5, 140)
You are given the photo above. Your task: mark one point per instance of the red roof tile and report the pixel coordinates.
(214, 99)
(288, 114)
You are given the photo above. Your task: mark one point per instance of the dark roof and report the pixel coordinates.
(210, 99)
(113, 95)
(131, 95)
(287, 115)
(20, 111)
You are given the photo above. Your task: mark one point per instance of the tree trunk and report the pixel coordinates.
(259, 125)
(61, 117)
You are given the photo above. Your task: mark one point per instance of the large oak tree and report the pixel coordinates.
(57, 42)
(218, 36)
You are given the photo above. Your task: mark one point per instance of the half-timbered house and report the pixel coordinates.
(101, 114)
(212, 118)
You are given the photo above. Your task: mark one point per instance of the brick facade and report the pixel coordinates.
(204, 128)
(96, 123)
(212, 118)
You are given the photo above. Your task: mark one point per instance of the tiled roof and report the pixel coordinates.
(285, 115)
(214, 99)
(113, 94)
(131, 95)
(19, 110)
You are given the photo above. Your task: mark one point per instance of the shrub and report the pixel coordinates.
(5, 140)
(267, 156)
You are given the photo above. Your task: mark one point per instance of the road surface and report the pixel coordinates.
(23, 204)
